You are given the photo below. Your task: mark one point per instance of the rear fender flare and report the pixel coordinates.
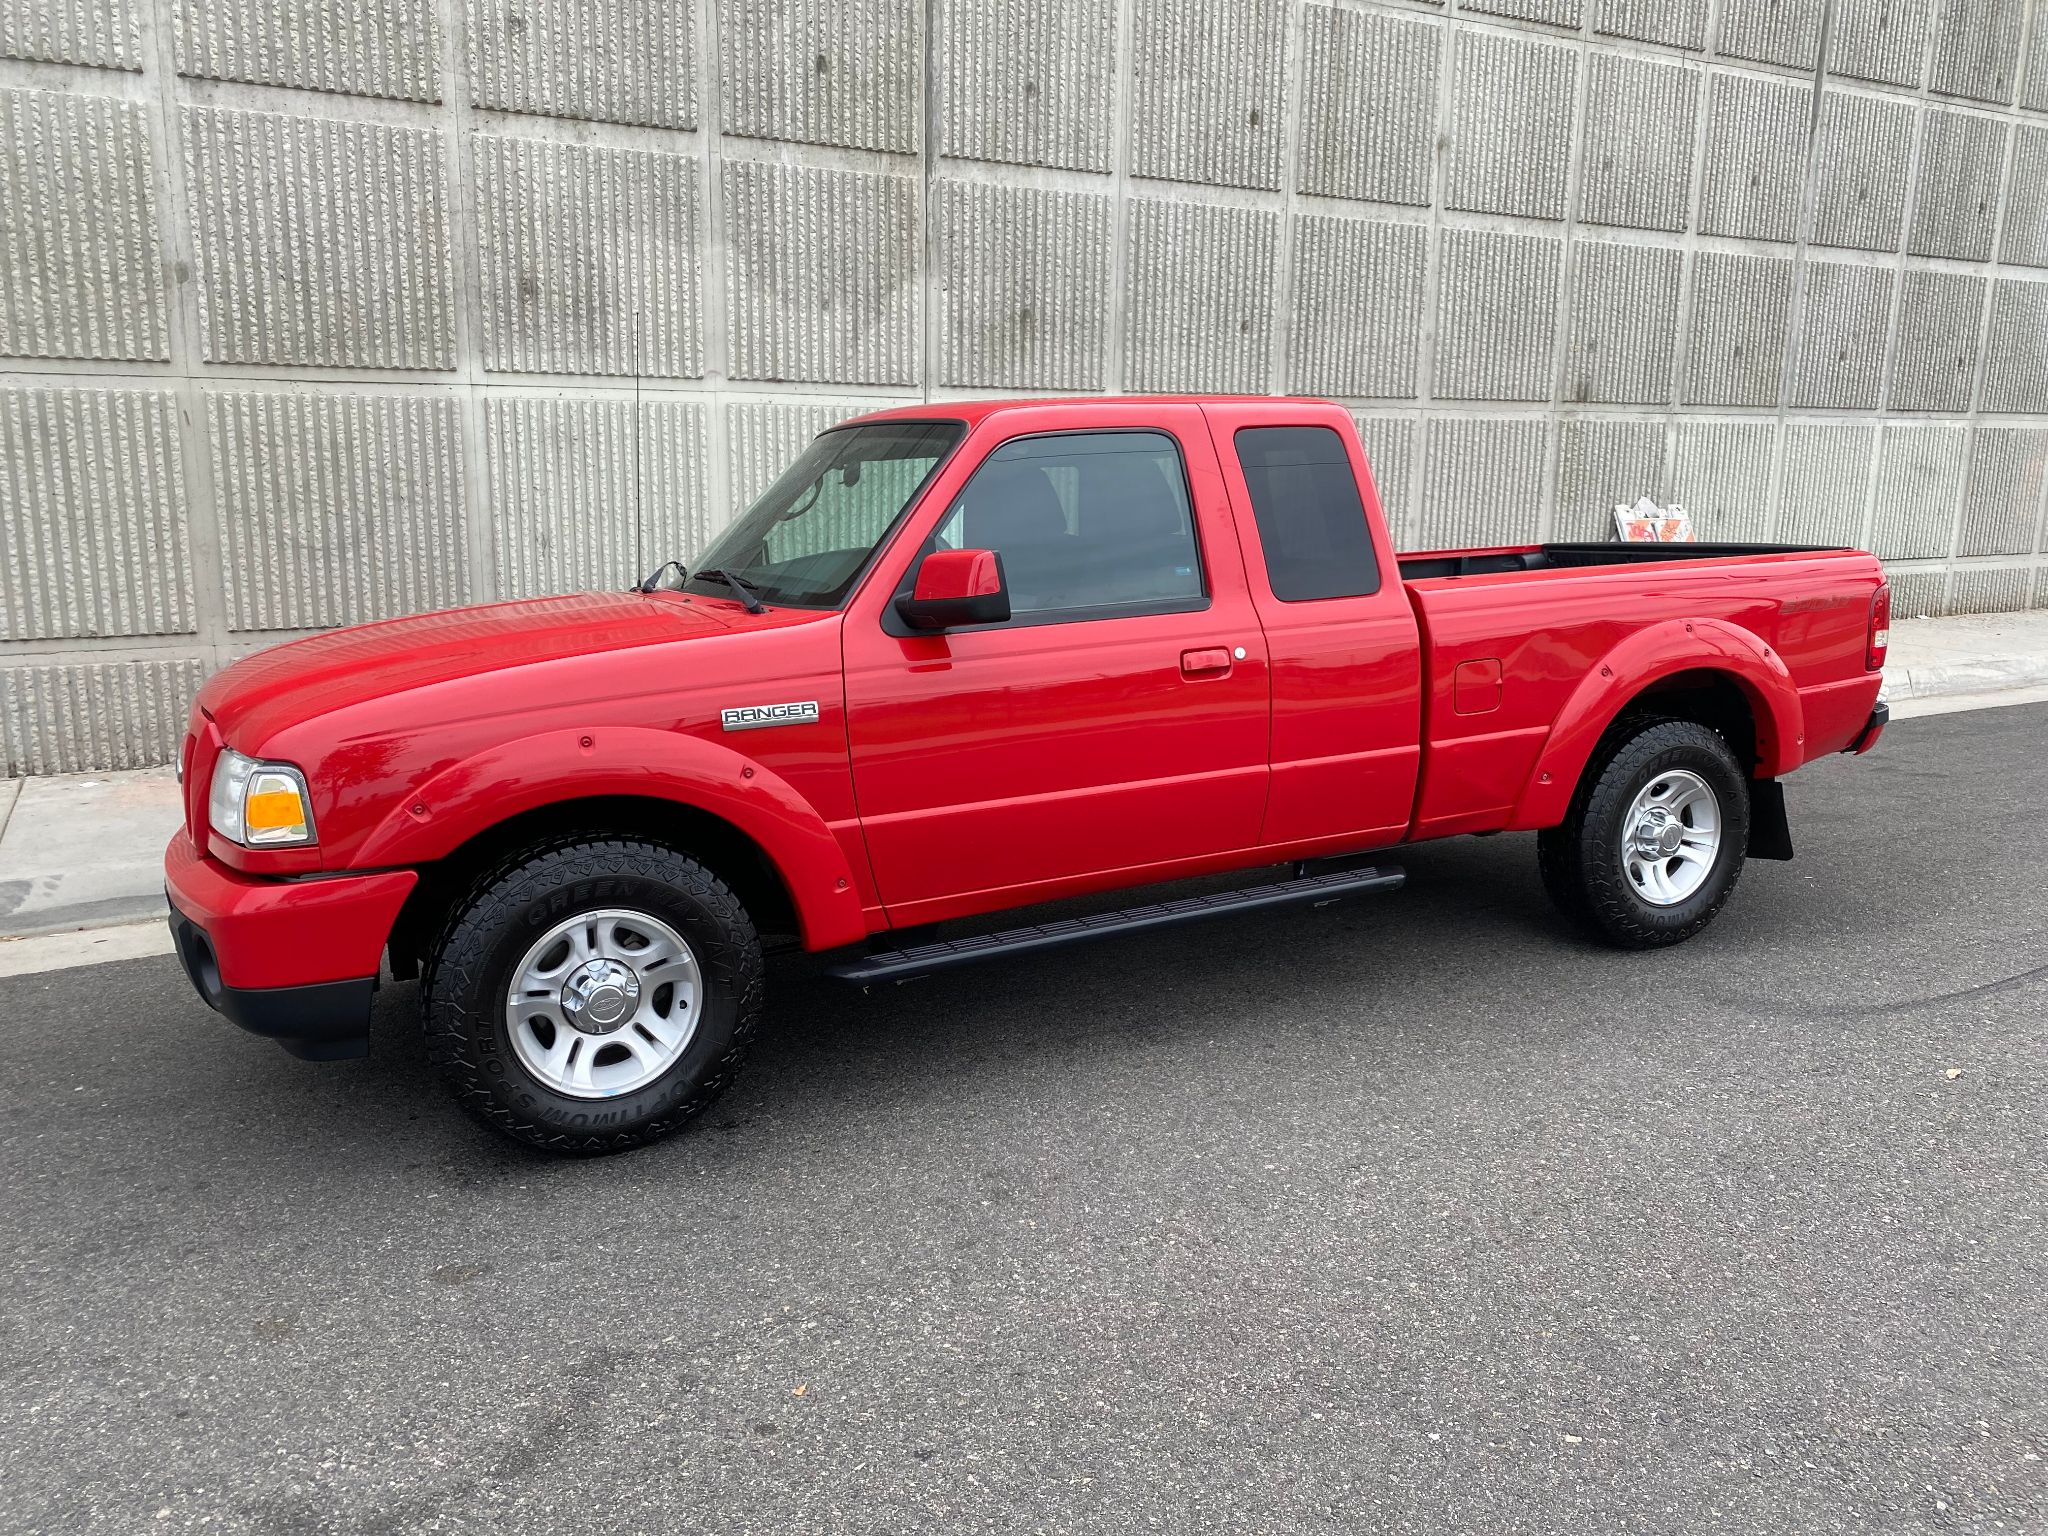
(476, 794)
(1644, 658)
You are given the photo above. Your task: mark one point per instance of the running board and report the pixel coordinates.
(922, 959)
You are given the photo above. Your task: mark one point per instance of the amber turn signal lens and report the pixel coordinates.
(275, 811)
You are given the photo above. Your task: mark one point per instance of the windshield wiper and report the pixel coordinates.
(653, 581)
(742, 587)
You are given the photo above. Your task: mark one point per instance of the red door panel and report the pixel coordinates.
(992, 764)
(1347, 725)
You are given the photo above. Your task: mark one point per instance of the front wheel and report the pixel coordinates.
(1655, 838)
(594, 996)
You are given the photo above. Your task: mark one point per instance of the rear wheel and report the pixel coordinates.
(1655, 838)
(594, 996)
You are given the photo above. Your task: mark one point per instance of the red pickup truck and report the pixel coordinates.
(960, 659)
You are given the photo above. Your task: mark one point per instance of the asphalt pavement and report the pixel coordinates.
(1413, 1214)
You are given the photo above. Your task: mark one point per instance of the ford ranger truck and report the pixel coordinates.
(960, 659)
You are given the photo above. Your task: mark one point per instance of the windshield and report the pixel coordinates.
(806, 541)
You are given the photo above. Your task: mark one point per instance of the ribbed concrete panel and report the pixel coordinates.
(363, 47)
(563, 488)
(1721, 474)
(1640, 119)
(1028, 84)
(1357, 307)
(1369, 120)
(2025, 240)
(1995, 590)
(1827, 484)
(1772, 31)
(1936, 354)
(1756, 145)
(92, 515)
(764, 437)
(1558, 13)
(80, 254)
(1883, 40)
(1511, 124)
(1920, 472)
(1624, 320)
(589, 259)
(1390, 455)
(1681, 23)
(2016, 348)
(1497, 316)
(1026, 286)
(338, 508)
(95, 717)
(1842, 334)
(625, 61)
(1740, 311)
(677, 517)
(590, 493)
(1200, 311)
(1209, 77)
(1601, 464)
(822, 282)
(105, 33)
(1482, 481)
(2034, 81)
(319, 242)
(1864, 155)
(1917, 594)
(1962, 156)
(1977, 48)
(2002, 491)
(824, 72)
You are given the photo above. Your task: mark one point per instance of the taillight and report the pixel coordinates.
(1880, 627)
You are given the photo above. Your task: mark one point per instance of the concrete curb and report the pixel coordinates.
(1977, 653)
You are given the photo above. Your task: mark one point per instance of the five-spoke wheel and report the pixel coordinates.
(603, 1003)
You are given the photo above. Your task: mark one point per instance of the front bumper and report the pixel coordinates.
(293, 960)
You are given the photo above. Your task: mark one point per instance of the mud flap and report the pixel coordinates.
(1770, 834)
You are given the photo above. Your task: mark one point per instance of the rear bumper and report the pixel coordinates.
(293, 960)
(1880, 717)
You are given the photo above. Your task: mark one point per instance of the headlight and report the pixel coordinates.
(259, 805)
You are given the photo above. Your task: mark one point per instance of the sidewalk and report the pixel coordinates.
(86, 850)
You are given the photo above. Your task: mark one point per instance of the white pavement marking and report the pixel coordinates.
(93, 946)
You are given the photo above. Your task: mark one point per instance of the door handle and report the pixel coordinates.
(1212, 661)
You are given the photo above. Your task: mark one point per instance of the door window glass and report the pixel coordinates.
(1087, 524)
(1310, 518)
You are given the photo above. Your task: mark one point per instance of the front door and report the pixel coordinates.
(1117, 724)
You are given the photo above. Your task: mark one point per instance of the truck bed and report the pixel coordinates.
(1509, 635)
(1429, 564)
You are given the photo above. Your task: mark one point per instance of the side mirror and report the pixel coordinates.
(956, 587)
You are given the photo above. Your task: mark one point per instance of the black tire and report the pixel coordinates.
(1582, 862)
(470, 968)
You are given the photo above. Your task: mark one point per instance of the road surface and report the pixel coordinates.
(1414, 1214)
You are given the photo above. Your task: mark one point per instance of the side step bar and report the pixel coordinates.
(923, 959)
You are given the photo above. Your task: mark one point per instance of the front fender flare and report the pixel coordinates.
(476, 794)
(1646, 657)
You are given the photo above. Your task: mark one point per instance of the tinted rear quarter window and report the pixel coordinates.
(1310, 518)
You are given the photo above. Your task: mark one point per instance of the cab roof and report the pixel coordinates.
(974, 412)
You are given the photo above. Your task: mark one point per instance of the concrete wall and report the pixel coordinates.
(314, 311)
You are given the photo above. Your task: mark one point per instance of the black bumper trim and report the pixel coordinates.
(326, 1021)
(1880, 717)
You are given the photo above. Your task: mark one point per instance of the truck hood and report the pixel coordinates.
(275, 689)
